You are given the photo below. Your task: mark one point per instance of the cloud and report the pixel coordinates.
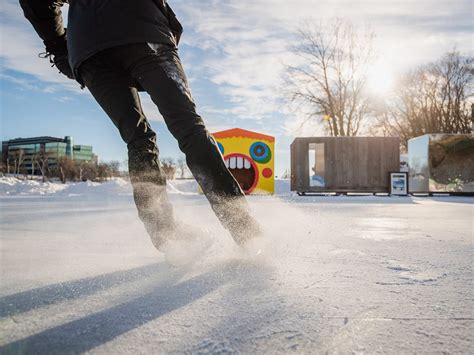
(24, 84)
(239, 48)
(21, 46)
(63, 99)
(247, 43)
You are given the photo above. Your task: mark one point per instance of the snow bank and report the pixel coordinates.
(14, 186)
(188, 186)
(11, 186)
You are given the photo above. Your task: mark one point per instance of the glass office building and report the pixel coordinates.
(26, 150)
(82, 152)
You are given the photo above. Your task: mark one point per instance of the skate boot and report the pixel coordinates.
(235, 216)
(185, 244)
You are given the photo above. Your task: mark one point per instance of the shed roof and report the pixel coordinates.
(238, 132)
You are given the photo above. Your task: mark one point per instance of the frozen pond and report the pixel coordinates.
(337, 275)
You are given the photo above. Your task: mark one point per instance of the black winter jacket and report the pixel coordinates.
(95, 25)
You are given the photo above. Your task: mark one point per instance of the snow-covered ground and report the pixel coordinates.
(337, 275)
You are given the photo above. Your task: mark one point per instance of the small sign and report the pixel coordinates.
(399, 184)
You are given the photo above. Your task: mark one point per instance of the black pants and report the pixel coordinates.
(112, 76)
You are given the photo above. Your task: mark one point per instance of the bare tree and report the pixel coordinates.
(33, 163)
(18, 156)
(433, 98)
(102, 172)
(79, 168)
(114, 168)
(182, 166)
(89, 171)
(328, 85)
(66, 169)
(106, 171)
(42, 159)
(14, 158)
(3, 167)
(169, 167)
(455, 81)
(21, 159)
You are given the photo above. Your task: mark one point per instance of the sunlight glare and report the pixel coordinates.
(380, 78)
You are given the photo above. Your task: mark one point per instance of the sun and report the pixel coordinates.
(380, 78)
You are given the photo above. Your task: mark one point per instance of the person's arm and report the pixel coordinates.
(46, 17)
(47, 20)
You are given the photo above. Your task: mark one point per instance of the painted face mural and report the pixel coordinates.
(249, 157)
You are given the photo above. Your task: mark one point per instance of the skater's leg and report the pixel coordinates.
(160, 73)
(110, 86)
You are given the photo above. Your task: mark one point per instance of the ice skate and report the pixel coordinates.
(185, 244)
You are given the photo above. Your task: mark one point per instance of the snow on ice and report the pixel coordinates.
(344, 275)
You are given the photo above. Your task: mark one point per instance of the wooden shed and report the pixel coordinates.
(343, 164)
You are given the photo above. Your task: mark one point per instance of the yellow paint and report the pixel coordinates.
(239, 141)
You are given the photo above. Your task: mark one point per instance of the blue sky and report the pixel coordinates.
(233, 52)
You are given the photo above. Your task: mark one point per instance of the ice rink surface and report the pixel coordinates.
(348, 275)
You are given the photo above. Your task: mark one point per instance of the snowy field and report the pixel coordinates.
(345, 275)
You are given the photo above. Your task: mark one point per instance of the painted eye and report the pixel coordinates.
(260, 152)
(221, 147)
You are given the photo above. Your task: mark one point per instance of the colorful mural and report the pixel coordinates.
(250, 158)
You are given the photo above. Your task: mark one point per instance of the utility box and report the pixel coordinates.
(343, 164)
(441, 163)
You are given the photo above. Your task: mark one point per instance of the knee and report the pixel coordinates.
(134, 128)
(199, 141)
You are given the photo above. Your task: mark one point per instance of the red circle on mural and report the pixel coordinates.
(267, 172)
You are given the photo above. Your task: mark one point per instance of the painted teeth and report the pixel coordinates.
(238, 163)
